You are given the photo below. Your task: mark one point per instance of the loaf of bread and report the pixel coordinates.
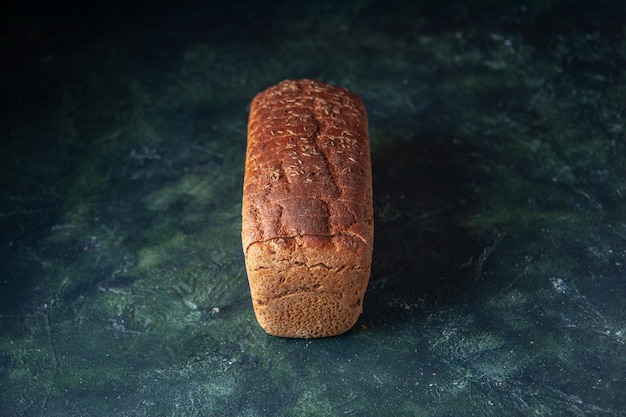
(307, 217)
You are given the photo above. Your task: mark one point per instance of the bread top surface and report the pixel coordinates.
(308, 169)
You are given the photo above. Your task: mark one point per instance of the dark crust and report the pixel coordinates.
(308, 168)
(307, 218)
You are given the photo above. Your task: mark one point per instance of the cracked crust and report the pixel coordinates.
(307, 218)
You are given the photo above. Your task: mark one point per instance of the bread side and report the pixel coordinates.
(307, 218)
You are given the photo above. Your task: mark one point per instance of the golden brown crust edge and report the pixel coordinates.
(307, 218)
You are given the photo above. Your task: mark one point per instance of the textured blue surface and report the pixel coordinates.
(498, 143)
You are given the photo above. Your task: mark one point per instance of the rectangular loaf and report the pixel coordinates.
(307, 217)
